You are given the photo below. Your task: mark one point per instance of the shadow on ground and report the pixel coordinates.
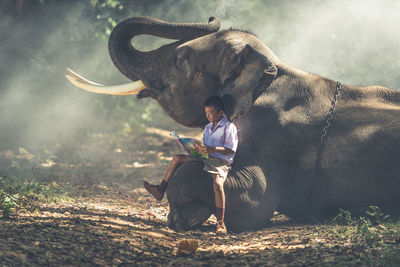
(111, 220)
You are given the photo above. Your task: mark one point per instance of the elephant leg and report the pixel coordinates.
(190, 196)
(189, 215)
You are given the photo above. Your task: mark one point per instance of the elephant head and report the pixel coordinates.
(233, 64)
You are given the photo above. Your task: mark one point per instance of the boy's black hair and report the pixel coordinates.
(216, 102)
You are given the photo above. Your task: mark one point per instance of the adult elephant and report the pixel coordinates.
(279, 112)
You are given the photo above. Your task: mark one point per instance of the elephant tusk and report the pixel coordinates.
(124, 89)
(80, 78)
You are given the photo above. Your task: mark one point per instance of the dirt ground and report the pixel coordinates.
(109, 219)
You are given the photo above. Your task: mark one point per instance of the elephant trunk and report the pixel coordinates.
(132, 62)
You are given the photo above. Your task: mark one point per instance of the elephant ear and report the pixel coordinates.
(249, 75)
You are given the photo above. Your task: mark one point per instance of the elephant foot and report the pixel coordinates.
(185, 217)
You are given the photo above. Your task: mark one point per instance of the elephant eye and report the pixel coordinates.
(180, 63)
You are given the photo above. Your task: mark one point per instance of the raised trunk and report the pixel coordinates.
(132, 62)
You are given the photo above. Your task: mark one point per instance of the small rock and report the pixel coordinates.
(150, 213)
(220, 253)
(155, 235)
(187, 246)
(381, 227)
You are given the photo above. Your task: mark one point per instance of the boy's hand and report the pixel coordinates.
(212, 149)
(202, 149)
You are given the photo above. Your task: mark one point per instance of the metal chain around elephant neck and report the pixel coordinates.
(331, 111)
(326, 127)
(322, 140)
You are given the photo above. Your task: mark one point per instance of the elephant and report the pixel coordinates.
(279, 111)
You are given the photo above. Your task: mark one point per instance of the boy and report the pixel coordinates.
(220, 142)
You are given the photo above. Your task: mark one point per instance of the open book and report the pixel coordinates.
(188, 144)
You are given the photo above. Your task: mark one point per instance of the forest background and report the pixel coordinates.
(72, 162)
(355, 42)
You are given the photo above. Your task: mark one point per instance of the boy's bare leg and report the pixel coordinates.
(175, 163)
(218, 186)
(158, 190)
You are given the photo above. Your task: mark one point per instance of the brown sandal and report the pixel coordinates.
(221, 229)
(153, 190)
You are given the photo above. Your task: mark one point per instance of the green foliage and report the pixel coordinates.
(374, 229)
(16, 193)
(363, 227)
(344, 217)
(376, 215)
(8, 203)
(107, 12)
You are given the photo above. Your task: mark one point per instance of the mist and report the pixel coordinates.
(73, 163)
(355, 42)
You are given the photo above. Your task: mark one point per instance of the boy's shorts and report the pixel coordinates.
(215, 165)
